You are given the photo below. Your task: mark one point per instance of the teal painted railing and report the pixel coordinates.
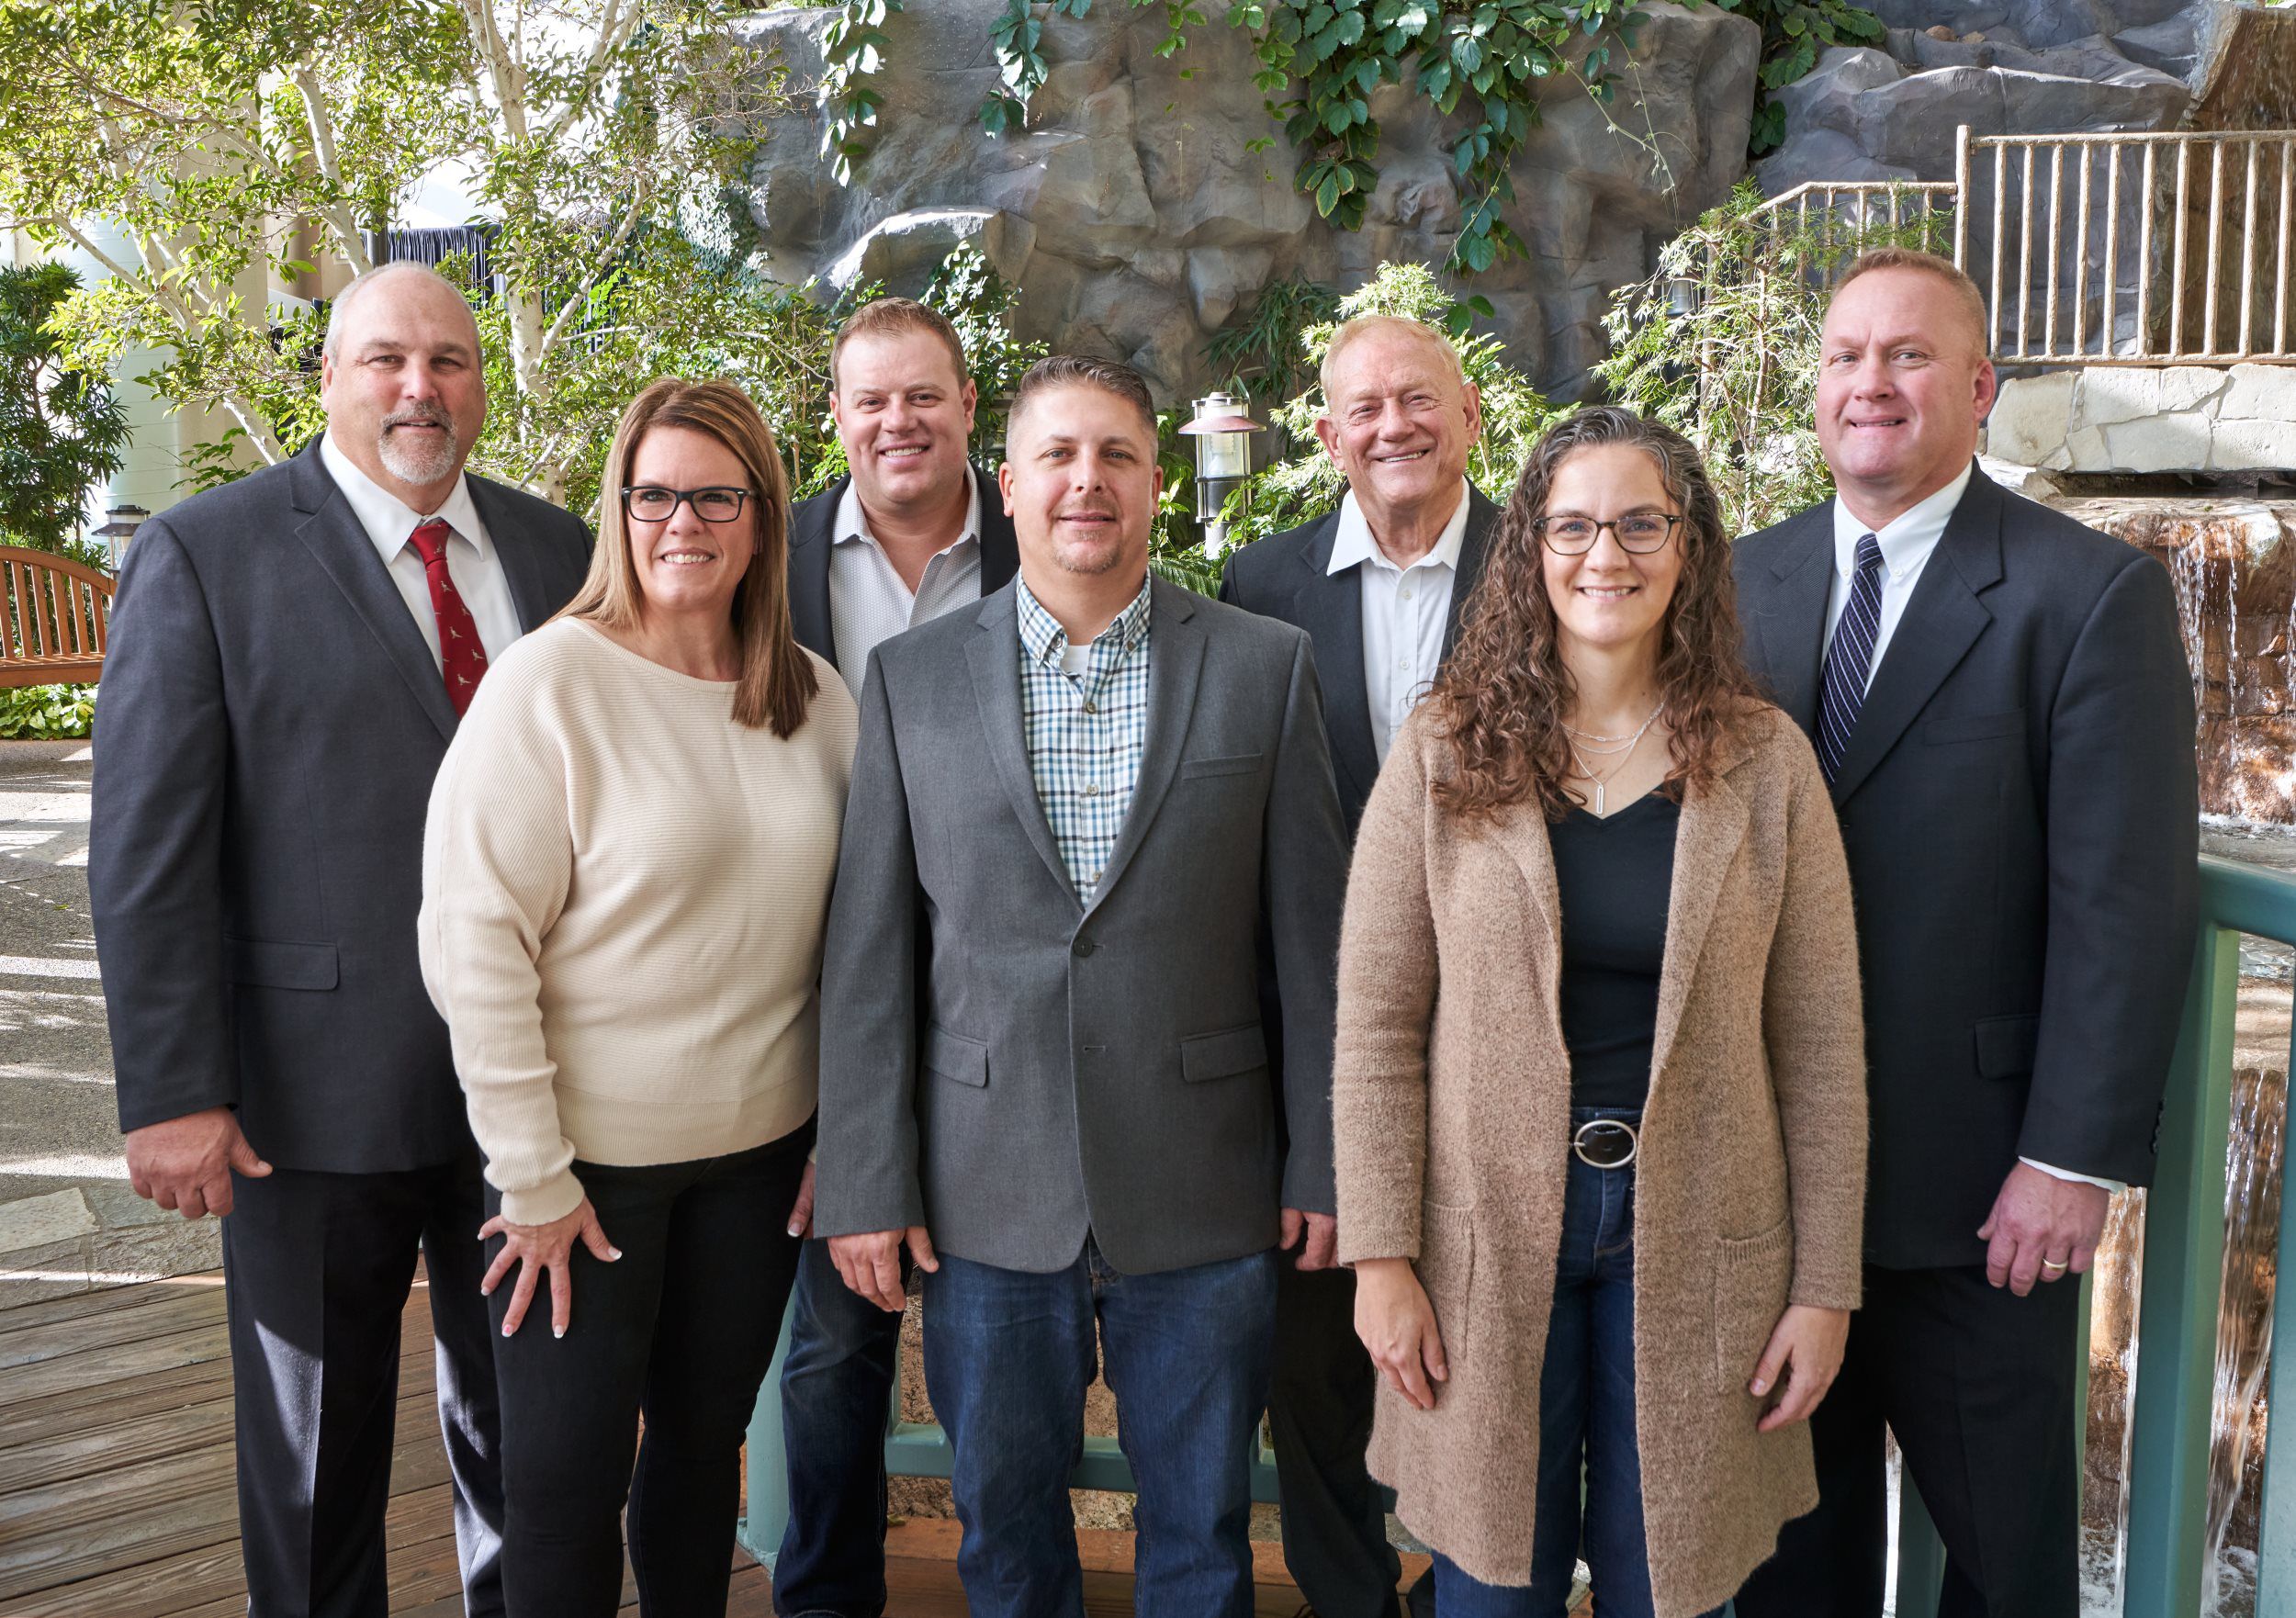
(913, 1449)
(2176, 1325)
(2184, 1264)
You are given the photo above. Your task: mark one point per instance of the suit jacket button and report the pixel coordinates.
(1085, 946)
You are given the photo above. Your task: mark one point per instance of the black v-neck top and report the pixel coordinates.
(1614, 878)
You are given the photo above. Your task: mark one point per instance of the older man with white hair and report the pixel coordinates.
(289, 657)
(1377, 585)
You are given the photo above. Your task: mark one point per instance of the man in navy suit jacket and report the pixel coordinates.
(1378, 585)
(912, 533)
(2000, 698)
(276, 700)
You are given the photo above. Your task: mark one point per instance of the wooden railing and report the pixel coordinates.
(54, 616)
(2168, 248)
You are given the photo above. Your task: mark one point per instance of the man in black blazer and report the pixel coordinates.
(912, 533)
(288, 664)
(1377, 585)
(2000, 698)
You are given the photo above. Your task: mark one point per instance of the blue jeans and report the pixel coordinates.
(1586, 1419)
(837, 1397)
(1009, 1354)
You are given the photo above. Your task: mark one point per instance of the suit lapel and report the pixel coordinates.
(1176, 662)
(1790, 621)
(1483, 522)
(331, 532)
(522, 559)
(809, 544)
(1714, 824)
(1330, 608)
(995, 658)
(1940, 624)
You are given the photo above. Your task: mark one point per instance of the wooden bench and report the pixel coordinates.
(54, 615)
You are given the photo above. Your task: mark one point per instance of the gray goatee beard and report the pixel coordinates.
(416, 460)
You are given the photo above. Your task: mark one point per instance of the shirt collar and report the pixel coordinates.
(1907, 540)
(389, 520)
(1353, 544)
(853, 522)
(1044, 638)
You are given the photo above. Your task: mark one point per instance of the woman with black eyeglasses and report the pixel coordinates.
(625, 879)
(1599, 1102)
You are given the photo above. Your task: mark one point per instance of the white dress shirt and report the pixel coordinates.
(1405, 612)
(1907, 542)
(868, 600)
(471, 559)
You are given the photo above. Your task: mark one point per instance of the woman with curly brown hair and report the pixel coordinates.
(1600, 1091)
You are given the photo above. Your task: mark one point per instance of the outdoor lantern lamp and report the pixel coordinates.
(1224, 460)
(115, 533)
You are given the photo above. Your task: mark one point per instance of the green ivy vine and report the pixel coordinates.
(852, 49)
(1320, 61)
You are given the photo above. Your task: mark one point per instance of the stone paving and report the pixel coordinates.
(69, 1221)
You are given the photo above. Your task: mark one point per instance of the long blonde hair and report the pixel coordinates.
(777, 681)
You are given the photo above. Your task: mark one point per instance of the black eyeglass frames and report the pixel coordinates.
(650, 503)
(1639, 532)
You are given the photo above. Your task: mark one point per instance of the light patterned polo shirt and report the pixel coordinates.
(1084, 713)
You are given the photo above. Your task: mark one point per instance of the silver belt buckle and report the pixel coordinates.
(1599, 1143)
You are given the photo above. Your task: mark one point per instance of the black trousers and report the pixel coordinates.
(1334, 1517)
(680, 1330)
(1977, 1384)
(317, 1269)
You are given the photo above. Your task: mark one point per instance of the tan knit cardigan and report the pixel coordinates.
(1451, 1097)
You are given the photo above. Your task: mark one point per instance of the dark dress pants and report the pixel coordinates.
(1977, 1384)
(317, 1269)
(837, 1399)
(1334, 1517)
(679, 1329)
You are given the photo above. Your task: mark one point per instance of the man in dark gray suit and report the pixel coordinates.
(913, 532)
(1999, 699)
(1076, 814)
(1377, 585)
(289, 657)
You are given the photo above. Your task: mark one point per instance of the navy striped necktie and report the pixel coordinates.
(1850, 658)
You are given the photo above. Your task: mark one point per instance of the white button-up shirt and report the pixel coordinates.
(1405, 612)
(1908, 543)
(471, 559)
(868, 600)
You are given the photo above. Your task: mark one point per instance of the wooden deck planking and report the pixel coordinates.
(117, 1496)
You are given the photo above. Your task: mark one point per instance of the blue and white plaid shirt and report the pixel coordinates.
(1086, 732)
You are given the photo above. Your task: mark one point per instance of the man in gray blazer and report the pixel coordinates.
(1999, 699)
(1078, 814)
(290, 656)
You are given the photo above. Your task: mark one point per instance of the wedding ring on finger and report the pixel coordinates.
(2054, 1267)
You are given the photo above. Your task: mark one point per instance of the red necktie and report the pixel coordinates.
(462, 655)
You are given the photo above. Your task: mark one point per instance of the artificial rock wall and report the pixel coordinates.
(1137, 216)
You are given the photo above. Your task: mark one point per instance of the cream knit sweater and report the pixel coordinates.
(622, 900)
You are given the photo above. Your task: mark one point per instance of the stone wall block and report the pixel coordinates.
(2030, 418)
(2263, 392)
(2253, 445)
(2170, 443)
(2110, 393)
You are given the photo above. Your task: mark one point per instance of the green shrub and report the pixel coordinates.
(1722, 345)
(47, 712)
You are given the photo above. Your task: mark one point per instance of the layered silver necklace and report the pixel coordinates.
(1620, 748)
